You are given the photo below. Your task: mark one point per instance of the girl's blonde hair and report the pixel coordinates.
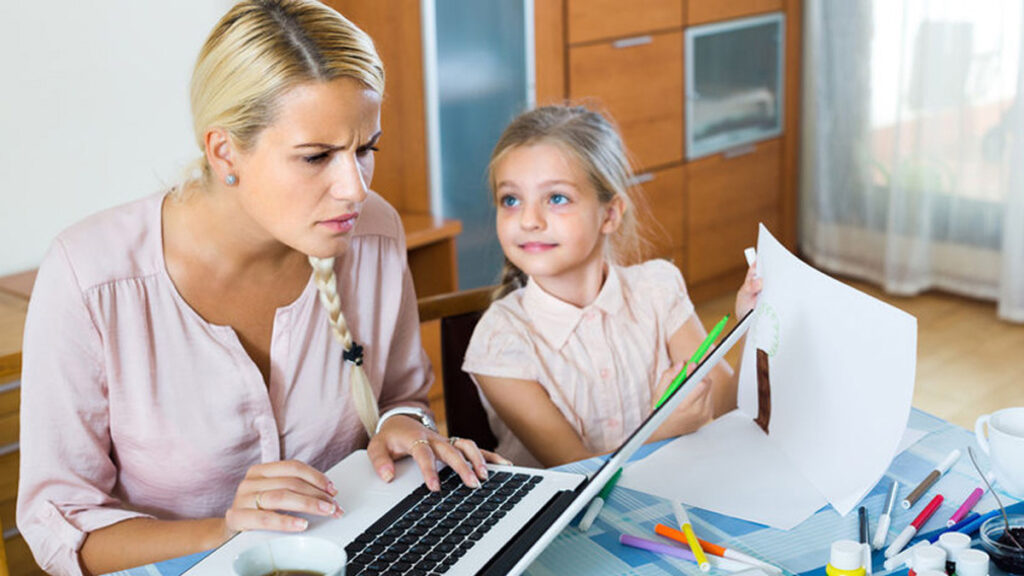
(256, 53)
(593, 142)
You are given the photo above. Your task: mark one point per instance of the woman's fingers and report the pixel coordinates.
(495, 458)
(472, 453)
(454, 459)
(293, 469)
(290, 499)
(380, 458)
(423, 454)
(241, 519)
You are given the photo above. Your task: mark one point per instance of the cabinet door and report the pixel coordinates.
(703, 11)
(727, 197)
(591, 20)
(661, 222)
(639, 81)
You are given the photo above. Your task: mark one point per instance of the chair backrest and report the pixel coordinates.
(458, 313)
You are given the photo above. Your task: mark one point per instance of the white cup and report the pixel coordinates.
(292, 553)
(1004, 445)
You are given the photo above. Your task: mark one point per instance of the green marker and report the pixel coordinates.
(698, 355)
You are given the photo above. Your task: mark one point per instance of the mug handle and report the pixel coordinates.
(979, 432)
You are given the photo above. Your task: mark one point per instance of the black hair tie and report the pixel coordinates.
(354, 354)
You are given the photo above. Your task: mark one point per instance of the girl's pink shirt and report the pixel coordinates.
(599, 364)
(133, 405)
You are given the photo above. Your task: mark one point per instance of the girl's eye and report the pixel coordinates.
(316, 158)
(508, 201)
(559, 199)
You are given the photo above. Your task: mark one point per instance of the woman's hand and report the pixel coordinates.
(746, 298)
(269, 490)
(405, 436)
(696, 410)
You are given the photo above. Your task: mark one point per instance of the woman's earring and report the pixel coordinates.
(231, 179)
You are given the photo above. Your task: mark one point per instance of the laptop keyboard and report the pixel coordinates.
(428, 532)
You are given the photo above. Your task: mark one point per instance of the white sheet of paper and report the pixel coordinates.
(842, 374)
(842, 377)
(729, 467)
(711, 469)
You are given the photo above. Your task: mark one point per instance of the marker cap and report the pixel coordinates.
(846, 555)
(972, 563)
(954, 543)
(929, 558)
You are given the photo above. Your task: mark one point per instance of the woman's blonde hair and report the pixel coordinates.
(258, 51)
(590, 139)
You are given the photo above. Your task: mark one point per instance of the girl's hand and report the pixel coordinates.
(403, 436)
(746, 298)
(696, 410)
(275, 487)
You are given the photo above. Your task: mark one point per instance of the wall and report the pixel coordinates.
(93, 110)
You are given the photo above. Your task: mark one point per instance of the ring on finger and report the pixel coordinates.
(416, 443)
(453, 440)
(259, 505)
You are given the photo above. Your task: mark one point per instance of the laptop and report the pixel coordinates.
(500, 528)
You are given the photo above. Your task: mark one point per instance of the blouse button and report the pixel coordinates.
(605, 373)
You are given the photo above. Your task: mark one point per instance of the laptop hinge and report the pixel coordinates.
(518, 545)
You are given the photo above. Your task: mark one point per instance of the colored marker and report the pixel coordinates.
(913, 527)
(969, 503)
(930, 479)
(882, 530)
(677, 552)
(598, 502)
(972, 527)
(698, 354)
(683, 520)
(902, 557)
(862, 518)
(954, 528)
(715, 549)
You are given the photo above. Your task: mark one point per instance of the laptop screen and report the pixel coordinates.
(637, 439)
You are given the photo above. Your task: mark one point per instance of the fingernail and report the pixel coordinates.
(326, 507)
(434, 485)
(483, 472)
(300, 523)
(506, 462)
(387, 474)
(338, 511)
(331, 489)
(475, 484)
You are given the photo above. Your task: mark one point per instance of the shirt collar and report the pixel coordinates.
(555, 320)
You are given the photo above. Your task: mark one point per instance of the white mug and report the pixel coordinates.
(1004, 445)
(292, 553)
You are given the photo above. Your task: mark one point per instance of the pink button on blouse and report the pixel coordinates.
(134, 405)
(599, 364)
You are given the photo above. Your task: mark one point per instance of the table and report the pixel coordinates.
(802, 551)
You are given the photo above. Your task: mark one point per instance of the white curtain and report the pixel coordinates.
(912, 158)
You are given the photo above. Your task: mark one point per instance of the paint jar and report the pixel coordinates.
(846, 558)
(928, 558)
(954, 543)
(972, 563)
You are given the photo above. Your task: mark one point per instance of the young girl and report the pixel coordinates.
(574, 355)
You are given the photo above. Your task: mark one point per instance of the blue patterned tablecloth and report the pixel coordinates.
(802, 550)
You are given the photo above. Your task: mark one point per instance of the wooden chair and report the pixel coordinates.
(458, 313)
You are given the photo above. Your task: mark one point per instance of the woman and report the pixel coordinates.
(185, 375)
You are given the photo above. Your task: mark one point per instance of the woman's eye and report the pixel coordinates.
(508, 201)
(559, 199)
(316, 158)
(367, 150)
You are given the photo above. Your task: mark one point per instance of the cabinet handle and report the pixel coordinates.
(641, 179)
(634, 41)
(739, 151)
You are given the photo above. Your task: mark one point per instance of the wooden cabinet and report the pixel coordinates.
(590, 20)
(639, 82)
(629, 62)
(661, 217)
